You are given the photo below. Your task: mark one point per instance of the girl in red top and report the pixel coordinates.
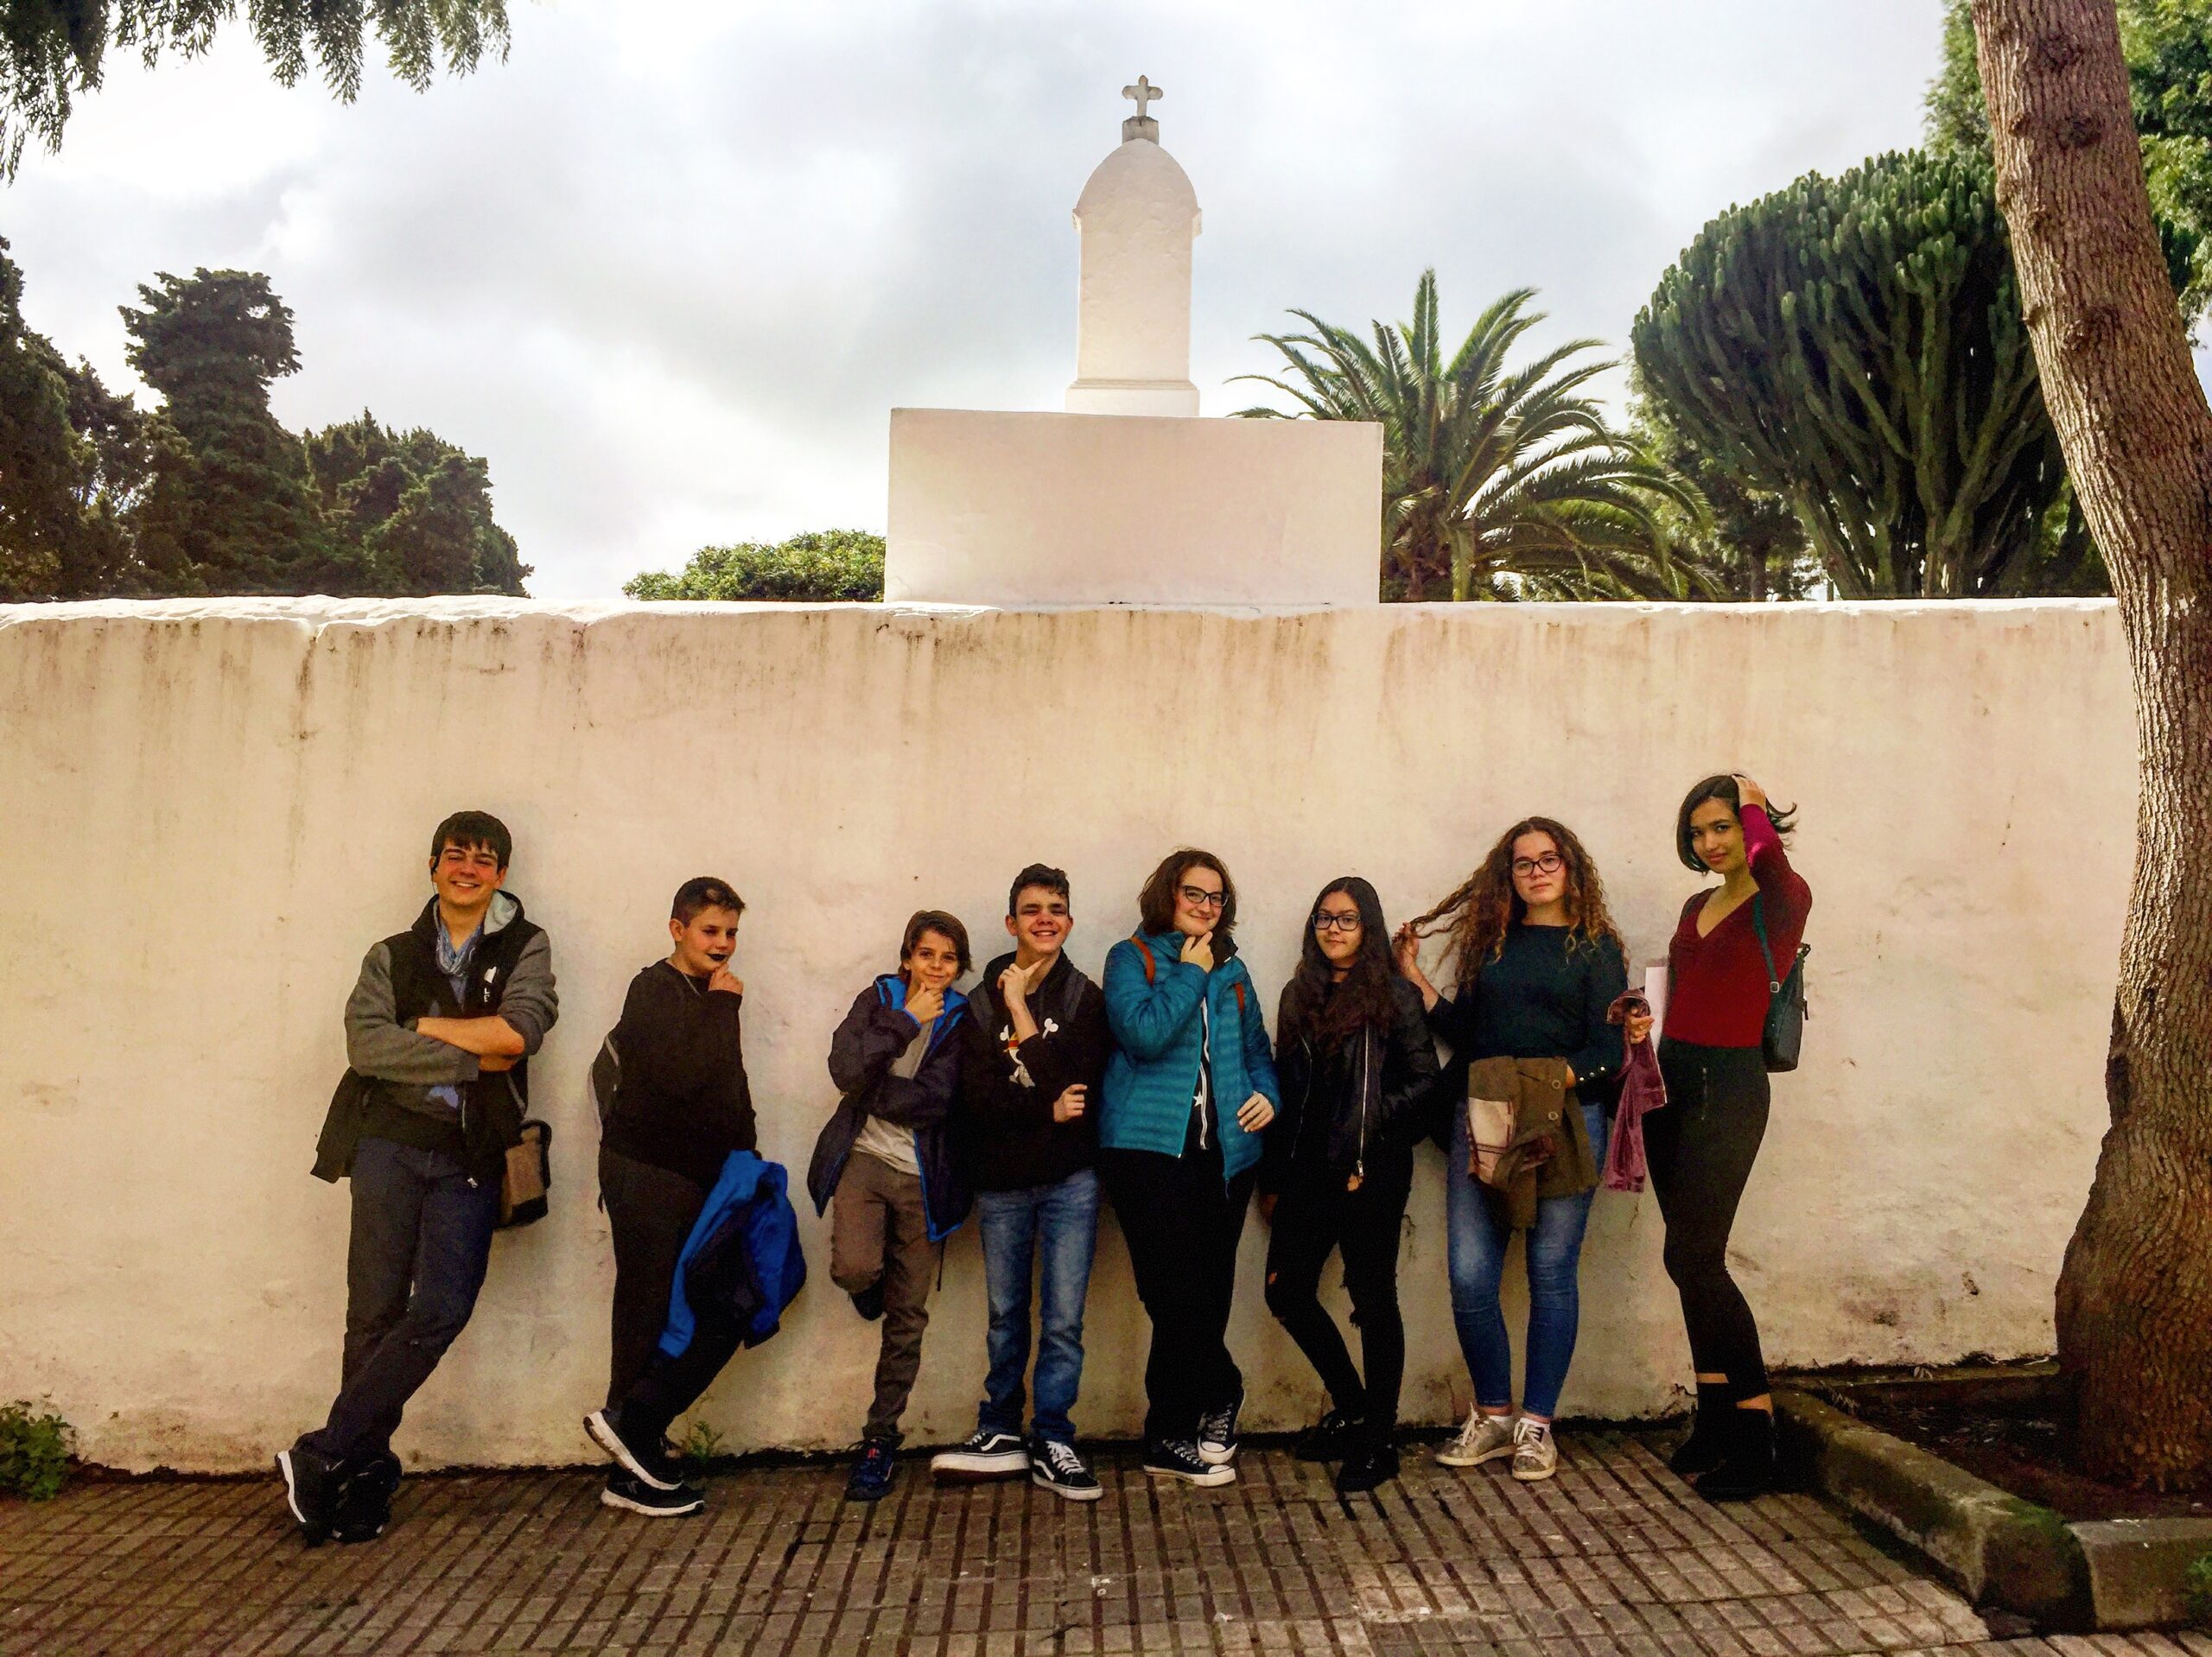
(1701, 1148)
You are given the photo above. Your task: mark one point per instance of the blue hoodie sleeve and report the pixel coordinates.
(1146, 1019)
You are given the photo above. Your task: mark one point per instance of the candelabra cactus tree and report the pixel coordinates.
(1855, 346)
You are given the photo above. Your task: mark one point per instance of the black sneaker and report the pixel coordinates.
(364, 1507)
(1746, 1469)
(1217, 1434)
(1332, 1438)
(1179, 1458)
(1363, 1469)
(313, 1484)
(874, 1470)
(649, 1463)
(868, 1302)
(988, 1455)
(631, 1493)
(1055, 1466)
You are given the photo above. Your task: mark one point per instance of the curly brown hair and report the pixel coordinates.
(1485, 906)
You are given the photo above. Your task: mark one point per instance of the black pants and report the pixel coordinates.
(652, 1211)
(422, 1237)
(1314, 1216)
(1182, 1225)
(1700, 1149)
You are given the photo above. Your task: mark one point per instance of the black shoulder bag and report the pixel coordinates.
(1786, 1011)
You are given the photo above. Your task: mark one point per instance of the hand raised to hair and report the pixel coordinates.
(1748, 792)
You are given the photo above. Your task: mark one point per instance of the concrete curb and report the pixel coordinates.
(1994, 1547)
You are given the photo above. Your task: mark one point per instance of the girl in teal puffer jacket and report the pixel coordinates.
(1187, 1093)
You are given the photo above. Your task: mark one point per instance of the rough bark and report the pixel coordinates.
(2135, 1297)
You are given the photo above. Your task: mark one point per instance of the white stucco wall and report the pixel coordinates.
(1082, 509)
(211, 811)
(1137, 216)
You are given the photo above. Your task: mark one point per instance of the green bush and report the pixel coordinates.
(2196, 1597)
(35, 1448)
(821, 566)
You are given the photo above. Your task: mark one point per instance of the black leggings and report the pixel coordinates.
(1314, 1216)
(1700, 1149)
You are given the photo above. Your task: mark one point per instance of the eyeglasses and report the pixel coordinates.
(1549, 863)
(1197, 897)
(1324, 922)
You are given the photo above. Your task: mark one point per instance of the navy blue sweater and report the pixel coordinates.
(1539, 999)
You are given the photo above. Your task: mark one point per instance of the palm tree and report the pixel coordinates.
(1504, 483)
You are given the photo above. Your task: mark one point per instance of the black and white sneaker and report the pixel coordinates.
(1179, 1458)
(988, 1455)
(365, 1508)
(631, 1493)
(1055, 1466)
(313, 1484)
(646, 1463)
(1217, 1434)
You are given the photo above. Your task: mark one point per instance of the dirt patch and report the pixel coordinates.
(2011, 1429)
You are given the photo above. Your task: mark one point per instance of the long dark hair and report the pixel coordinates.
(1485, 907)
(1364, 999)
(1156, 903)
(1723, 788)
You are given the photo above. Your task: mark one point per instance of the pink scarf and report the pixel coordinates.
(1643, 1089)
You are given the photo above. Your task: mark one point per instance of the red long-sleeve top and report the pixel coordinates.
(1718, 995)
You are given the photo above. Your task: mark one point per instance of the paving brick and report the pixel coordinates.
(1615, 1558)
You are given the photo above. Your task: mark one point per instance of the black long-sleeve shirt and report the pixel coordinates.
(682, 1103)
(1544, 995)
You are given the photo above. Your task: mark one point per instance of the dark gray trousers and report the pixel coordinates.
(421, 1238)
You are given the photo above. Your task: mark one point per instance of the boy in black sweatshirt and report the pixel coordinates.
(681, 1105)
(1036, 1050)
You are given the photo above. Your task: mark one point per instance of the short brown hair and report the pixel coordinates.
(695, 897)
(1156, 903)
(934, 920)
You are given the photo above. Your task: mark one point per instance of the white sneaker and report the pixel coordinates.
(1484, 1439)
(1535, 1456)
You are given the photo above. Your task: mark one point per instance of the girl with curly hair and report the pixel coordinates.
(1536, 964)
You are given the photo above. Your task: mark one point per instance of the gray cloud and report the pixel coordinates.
(670, 284)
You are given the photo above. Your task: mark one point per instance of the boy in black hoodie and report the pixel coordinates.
(681, 1105)
(1037, 1044)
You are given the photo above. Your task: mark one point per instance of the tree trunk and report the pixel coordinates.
(2135, 1297)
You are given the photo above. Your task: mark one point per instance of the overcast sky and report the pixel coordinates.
(670, 284)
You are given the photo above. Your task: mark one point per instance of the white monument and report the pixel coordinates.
(1128, 498)
(1137, 216)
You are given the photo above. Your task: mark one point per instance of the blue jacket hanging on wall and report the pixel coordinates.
(742, 1259)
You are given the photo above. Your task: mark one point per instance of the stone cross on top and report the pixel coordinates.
(1141, 125)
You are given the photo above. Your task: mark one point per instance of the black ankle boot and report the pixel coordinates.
(1746, 1467)
(1707, 1444)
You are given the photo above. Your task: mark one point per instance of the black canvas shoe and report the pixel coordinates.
(1332, 1438)
(364, 1507)
(630, 1494)
(868, 1302)
(1217, 1434)
(1179, 1458)
(875, 1469)
(1055, 1466)
(988, 1454)
(649, 1463)
(1364, 1470)
(313, 1484)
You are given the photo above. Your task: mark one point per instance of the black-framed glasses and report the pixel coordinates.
(1198, 897)
(1324, 922)
(1549, 863)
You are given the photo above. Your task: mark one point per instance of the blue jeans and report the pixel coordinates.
(1478, 1237)
(1061, 1222)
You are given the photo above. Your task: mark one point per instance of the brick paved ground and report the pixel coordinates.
(1614, 1556)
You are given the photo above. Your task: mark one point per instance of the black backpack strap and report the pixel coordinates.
(1766, 953)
